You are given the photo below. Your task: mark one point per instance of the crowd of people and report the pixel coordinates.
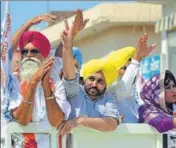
(57, 89)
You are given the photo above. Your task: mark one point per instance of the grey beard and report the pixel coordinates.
(29, 67)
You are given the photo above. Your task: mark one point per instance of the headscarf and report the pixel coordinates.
(153, 94)
(37, 39)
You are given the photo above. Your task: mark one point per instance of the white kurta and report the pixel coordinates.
(39, 113)
(127, 96)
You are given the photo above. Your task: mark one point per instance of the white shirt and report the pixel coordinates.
(39, 112)
(127, 96)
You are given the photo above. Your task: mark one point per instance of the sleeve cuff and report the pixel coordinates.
(135, 62)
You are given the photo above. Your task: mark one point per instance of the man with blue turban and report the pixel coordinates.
(77, 56)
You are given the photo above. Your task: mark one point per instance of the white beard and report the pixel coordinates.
(29, 67)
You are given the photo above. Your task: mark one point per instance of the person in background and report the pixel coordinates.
(159, 95)
(13, 91)
(76, 27)
(128, 100)
(16, 58)
(77, 56)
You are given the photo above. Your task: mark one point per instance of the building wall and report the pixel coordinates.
(168, 9)
(168, 40)
(100, 44)
(172, 50)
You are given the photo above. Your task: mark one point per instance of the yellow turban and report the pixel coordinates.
(96, 65)
(119, 57)
(109, 66)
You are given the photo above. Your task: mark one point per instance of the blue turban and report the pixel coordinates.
(77, 55)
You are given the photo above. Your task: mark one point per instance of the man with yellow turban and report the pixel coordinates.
(91, 105)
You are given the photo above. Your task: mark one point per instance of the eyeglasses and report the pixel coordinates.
(33, 52)
(170, 86)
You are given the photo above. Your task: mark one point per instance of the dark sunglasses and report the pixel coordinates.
(33, 51)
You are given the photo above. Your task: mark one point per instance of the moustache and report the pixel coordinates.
(31, 59)
(94, 88)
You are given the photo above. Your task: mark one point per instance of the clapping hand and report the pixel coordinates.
(46, 67)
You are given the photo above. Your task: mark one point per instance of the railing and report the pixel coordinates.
(125, 136)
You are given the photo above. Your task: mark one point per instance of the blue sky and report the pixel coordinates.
(21, 11)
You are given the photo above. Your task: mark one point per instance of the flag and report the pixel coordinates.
(6, 58)
(6, 50)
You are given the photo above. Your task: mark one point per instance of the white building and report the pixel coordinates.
(166, 28)
(112, 26)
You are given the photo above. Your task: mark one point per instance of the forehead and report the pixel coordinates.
(98, 75)
(29, 46)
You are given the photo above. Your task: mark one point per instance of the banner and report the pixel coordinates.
(149, 67)
(6, 50)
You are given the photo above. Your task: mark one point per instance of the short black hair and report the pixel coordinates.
(169, 77)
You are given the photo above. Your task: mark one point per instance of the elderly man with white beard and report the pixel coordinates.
(43, 97)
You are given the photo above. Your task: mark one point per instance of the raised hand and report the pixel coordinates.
(43, 17)
(37, 77)
(77, 25)
(67, 40)
(143, 49)
(46, 77)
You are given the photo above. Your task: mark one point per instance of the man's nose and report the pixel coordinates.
(29, 54)
(94, 83)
